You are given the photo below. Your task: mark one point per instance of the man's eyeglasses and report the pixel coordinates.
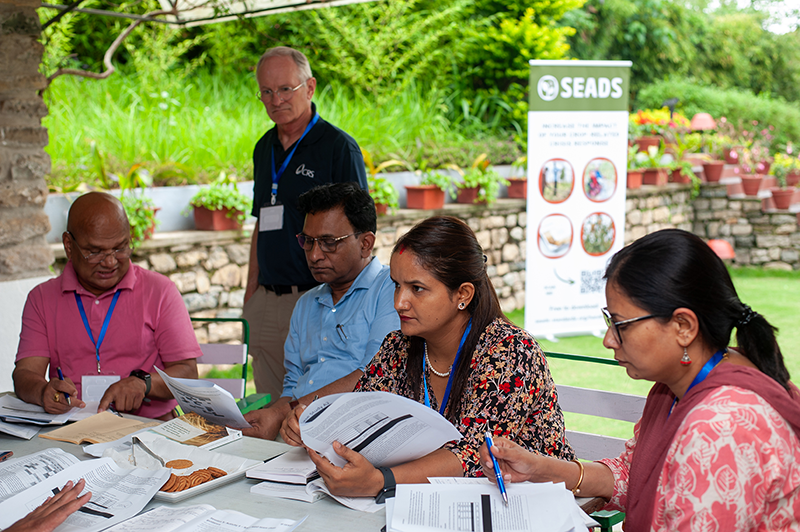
(284, 93)
(99, 256)
(326, 244)
(615, 325)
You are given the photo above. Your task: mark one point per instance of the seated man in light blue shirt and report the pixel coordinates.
(338, 326)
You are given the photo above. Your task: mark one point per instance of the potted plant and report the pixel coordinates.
(655, 172)
(712, 170)
(140, 209)
(480, 183)
(383, 193)
(750, 169)
(683, 172)
(220, 206)
(636, 165)
(783, 166)
(429, 194)
(518, 186)
(648, 127)
(381, 189)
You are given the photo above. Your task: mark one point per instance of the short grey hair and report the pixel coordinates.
(299, 58)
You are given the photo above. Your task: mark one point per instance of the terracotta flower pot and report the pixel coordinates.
(792, 179)
(713, 171)
(763, 167)
(518, 187)
(782, 197)
(426, 197)
(655, 176)
(732, 156)
(634, 178)
(468, 195)
(208, 220)
(751, 183)
(646, 142)
(381, 209)
(678, 177)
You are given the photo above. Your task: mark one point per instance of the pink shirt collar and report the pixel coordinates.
(70, 283)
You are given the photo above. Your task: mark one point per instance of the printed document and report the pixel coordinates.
(117, 494)
(13, 410)
(207, 400)
(385, 428)
(19, 474)
(292, 467)
(541, 507)
(202, 518)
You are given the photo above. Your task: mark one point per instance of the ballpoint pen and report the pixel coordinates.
(497, 473)
(61, 377)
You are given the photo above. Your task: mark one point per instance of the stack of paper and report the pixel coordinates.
(13, 410)
(312, 492)
(292, 467)
(432, 507)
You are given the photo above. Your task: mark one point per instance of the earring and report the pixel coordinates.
(461, 306)
(685, 360)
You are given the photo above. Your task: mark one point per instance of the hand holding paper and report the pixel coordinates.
(206, 399)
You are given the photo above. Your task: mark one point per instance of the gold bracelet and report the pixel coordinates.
(577, 489)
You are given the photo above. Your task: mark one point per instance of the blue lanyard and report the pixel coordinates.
(700, 377)
(452, 373)
(102, 330)
(276, 175)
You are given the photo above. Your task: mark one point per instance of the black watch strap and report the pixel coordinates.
(141, 374)
(389, 485)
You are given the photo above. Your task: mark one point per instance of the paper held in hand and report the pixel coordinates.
(385, 428)
(207, 400)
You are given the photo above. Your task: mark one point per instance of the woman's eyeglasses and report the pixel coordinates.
(615, 325)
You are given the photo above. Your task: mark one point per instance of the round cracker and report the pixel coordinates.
(169, 483)
(216, 472)
(181, 463)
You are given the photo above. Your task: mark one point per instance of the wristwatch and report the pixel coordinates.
(389, 485)
(141, 374)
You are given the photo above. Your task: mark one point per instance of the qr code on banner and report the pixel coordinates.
(592, 281)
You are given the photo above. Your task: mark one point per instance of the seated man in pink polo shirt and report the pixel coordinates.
(102, 319)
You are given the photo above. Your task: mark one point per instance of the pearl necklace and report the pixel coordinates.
(428, 360)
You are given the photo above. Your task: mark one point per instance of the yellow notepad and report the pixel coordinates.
(99, 428)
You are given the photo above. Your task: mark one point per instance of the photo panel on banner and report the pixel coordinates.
(577, 174)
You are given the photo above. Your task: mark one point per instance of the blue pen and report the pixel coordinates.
(61, 378)
(497, 473)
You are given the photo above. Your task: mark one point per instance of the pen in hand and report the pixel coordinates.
(497, 473)
(61, 377)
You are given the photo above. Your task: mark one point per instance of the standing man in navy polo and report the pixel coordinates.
(301, 152)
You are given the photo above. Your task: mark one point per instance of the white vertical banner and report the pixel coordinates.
(577, 176)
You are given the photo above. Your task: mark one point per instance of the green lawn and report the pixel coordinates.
(774, 294)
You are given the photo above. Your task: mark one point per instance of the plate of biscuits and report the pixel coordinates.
(194, 470)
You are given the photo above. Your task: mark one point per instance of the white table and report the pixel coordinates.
(323, 515)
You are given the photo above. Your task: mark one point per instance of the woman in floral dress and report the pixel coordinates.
(717, 446)
(459, 354)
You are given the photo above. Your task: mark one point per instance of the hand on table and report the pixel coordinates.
(516, 463)
(54, 510)
(53, 400)
(358, 477)
(126, 394)
(265, 423)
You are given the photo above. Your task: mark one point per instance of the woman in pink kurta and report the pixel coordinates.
(717, 447)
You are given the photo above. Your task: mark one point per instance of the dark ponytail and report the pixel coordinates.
(448, 249)
(672, 268)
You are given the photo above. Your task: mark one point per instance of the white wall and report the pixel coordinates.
(12, 300)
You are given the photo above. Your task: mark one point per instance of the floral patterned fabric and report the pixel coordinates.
(734, 465)
(510, 387)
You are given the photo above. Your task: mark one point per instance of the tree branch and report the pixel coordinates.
(58, 16)
(110, 68)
